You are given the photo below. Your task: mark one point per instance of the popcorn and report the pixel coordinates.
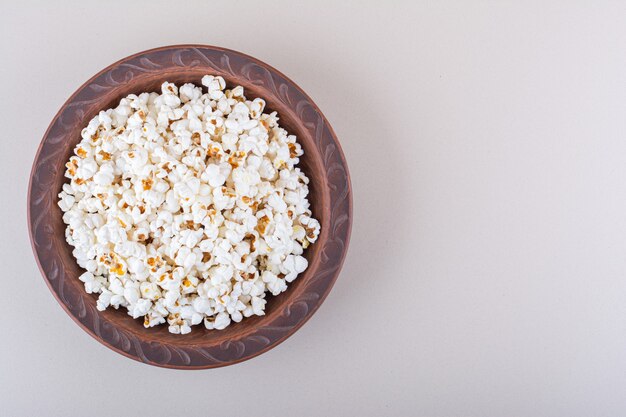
(215, 176)
(186, 207)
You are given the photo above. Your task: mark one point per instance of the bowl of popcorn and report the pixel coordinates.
(190, 207)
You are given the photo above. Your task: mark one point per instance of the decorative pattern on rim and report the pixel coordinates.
(48, 239)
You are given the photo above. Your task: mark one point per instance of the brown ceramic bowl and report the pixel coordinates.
(330, 197)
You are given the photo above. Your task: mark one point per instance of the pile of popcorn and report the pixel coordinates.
(187, 207)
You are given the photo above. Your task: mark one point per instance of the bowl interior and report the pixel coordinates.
(311, 163)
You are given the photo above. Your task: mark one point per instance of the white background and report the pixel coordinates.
(487, 270)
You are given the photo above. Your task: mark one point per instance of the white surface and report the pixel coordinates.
(487, 270)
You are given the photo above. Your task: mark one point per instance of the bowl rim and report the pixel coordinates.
(345, 235)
